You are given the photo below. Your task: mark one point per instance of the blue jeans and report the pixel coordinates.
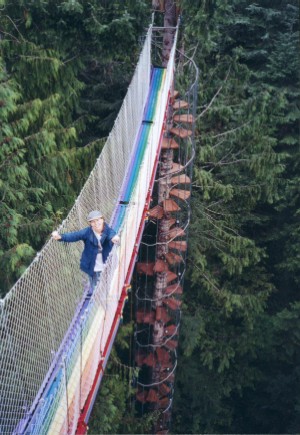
(93, 282)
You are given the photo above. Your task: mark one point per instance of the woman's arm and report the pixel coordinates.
(74, 236)
(55, 235)
(116, 239)
(112, 236)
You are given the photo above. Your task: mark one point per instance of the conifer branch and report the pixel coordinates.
(215, 96)
(218, 143)
(193, 55)
(15, 26)
(9, 34)
(232, 130)
(23, 56)
(205, 276)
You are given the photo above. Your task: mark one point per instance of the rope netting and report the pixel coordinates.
(36, 314)
(52, 337)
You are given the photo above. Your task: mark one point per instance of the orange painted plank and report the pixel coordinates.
(183, 133)
(169, 143)
(180, 104)
(171, 344)
(171, 330)
(175, 289)
(161, 266)
(150, 360)
(146, 268)
(173, 258)
(170, 205)
(152, 396)
(180, 193)
(172, 303)
(145, 317)
(180, 245)
(170, 277)
(180, 179)
(186, 118)
(176, 167)
(163, 355)
(176, 232)
(164, 389)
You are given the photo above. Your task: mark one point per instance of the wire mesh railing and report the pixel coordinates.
(36, 314)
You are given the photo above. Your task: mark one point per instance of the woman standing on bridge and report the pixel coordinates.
(98, 240)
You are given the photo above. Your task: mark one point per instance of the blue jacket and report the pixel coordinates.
(90, 251)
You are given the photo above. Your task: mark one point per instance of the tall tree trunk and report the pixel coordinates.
(169, 21)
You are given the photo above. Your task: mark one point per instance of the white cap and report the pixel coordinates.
(95, 214)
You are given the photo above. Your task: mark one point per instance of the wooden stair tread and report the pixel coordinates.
(175, 94)
(161, 266)
(156, 212)
(180, 104)
(176, 232)
(141, 396)
(176, 167)
(164, 403)
(167, 365)
(180, 193)
(175, 289)
(172, 303)
(170, 330)
(172, 221)
(152, 396)
(180, 179)
(186, 118)
(167, 376)
(173, 258)
(170, 205)
(170, 277)
(171, 344)
(164, 389)
(146, 268)
(180, 245)
(145, 317)
(169, 143)
(181, 132)
(163, 355)
(150, 360)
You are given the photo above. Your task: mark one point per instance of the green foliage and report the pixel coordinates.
(20, 199)
(272, 404)
(65, 68)
(244, 244)
(110, 406)
(114, 410)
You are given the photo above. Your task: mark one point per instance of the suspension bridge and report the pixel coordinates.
(55, 338)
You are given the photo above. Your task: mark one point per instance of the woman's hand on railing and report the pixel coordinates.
(55, 235)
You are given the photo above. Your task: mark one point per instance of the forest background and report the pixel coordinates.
(64, 70)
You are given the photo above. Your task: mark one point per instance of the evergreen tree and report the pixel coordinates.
(41, 121)
(17, 195)
(247, 119)
(61, 56)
